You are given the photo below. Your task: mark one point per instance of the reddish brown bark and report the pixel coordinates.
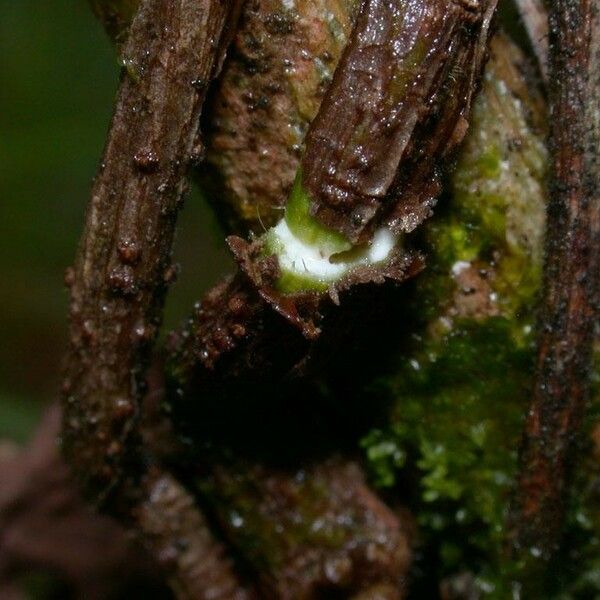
(569, 309)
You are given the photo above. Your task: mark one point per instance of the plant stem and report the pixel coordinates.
(177, 532)
(122, 268)
(398, 104)
(569, 308)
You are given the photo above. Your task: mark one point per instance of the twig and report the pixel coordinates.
(535, 18)
(122, 268)
(570, 300)
(179, 536)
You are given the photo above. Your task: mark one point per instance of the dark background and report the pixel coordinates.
(58, 77)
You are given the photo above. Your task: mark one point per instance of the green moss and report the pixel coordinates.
(488, 164)
(461, 384)
(458, 419)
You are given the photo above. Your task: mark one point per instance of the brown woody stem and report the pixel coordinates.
(123, 268)
(178, 535)
(570, 298)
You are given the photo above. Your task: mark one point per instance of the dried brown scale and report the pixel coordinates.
(117, 284)
(272, 84)
(230, 318)
(244, 328)
(176, 532)
(398, 104)
(571, 278)
(313, 532)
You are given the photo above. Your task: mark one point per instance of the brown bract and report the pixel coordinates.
(398, 104)
(122, 268)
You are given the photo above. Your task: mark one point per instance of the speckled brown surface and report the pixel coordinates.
(275, 76)
(314, 532)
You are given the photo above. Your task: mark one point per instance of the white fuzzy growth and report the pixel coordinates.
(309, 261)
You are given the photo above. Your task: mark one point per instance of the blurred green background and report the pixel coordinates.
(58, 77)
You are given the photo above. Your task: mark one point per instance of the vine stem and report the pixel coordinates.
(569, 308)
(123, 264)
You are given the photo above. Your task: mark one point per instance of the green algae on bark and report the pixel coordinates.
(311, 532)
(461, 382)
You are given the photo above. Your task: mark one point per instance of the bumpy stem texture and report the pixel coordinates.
(122, 268)
(570, 298)
(318, 531)
(178, 534)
